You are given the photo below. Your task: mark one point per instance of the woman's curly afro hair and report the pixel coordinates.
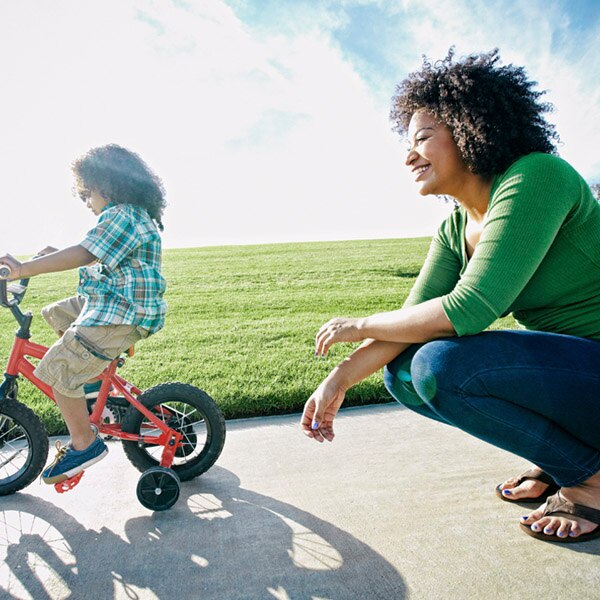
(121, 177)
(493, 112)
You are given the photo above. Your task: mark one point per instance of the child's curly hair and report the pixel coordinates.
(493, 112)
(122, 177)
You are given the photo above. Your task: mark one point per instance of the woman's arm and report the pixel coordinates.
(529, 206)
(321, 408)
(389, 334)
(386, 335)
(413, 324)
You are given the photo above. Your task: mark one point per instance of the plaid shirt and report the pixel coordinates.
(125, 286)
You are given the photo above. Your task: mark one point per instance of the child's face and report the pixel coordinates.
(95, 202)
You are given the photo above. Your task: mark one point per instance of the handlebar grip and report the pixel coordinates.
(5, 271)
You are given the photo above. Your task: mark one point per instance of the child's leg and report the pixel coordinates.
(75, 414)
(60, 315)
(81, 354)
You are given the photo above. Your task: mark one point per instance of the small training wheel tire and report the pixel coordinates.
(158, 488)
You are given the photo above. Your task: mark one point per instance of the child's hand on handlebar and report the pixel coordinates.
(11, 268)
(14, 267)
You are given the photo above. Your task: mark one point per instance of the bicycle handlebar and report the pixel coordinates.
(16, 289)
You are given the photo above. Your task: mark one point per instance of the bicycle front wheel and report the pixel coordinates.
(188, 410)
(23, 446)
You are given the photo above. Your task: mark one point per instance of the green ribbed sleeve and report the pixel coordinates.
(538, 256)
(441, 270)
(528, 206)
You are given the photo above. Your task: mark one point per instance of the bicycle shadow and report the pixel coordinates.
(219, 541)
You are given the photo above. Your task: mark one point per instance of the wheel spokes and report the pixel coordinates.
(15, 450)
(186, 420)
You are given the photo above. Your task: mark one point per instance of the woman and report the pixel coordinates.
(524, 239)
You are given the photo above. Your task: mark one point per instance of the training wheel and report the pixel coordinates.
(158, 488)
(68, 484)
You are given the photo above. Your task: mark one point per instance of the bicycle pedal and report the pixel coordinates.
(68, 484)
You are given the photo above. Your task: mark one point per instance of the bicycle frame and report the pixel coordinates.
(18, 364)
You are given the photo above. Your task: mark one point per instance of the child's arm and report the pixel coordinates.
(61, 260)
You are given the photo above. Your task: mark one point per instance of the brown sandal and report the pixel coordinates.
(558, 505)
(538, 475)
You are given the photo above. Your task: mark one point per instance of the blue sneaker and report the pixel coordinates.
(69, 462)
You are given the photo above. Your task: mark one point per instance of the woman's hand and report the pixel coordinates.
(337, 330)
(320, 410)
(13, 264)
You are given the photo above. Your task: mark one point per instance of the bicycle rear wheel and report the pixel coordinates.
(23, 446)
(188, 410)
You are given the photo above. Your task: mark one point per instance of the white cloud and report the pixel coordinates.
(190, 88)
(262, 133)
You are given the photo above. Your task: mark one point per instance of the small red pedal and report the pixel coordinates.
(68, 484)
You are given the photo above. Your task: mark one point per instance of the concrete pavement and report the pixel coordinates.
(397, 507)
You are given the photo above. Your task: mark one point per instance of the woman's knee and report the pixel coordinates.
(395, 385)
(398, 380)
(435, 364)
(397, 377)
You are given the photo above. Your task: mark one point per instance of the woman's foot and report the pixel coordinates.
(562, 525)
(532, 486)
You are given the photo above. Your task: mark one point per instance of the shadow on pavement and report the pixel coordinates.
(220, 541)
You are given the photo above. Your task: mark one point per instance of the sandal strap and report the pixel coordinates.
(537, 474)
(559, 504)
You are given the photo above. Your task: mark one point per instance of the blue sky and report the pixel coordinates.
(267, 119)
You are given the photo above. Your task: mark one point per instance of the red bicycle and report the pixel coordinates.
(172, 432)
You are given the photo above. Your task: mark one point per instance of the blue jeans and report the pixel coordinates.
(534, 394)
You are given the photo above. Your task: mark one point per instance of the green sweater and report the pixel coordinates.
(538, 256)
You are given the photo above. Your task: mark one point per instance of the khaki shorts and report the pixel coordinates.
(83, 352)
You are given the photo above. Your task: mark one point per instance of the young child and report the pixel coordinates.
(120, 292)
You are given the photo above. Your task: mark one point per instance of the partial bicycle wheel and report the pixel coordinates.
(23, 446)
(186, 409)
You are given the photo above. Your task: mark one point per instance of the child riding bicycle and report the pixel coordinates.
(120, 292)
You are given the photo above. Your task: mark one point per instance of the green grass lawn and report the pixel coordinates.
(242, 320)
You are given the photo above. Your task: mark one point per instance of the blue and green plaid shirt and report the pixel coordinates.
(125, 286)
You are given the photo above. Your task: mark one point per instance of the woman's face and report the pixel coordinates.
(433, 157)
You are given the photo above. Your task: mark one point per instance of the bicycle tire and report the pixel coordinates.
(189, 410)
(21, 430)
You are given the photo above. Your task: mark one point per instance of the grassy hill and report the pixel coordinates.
(242, 320)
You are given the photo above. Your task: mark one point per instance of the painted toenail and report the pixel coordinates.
(507, 492)
(535, 527)
(524, 518)
(561, 534)
(549, 531)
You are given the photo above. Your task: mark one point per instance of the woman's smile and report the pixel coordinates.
(433, 156)
(420, 171)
